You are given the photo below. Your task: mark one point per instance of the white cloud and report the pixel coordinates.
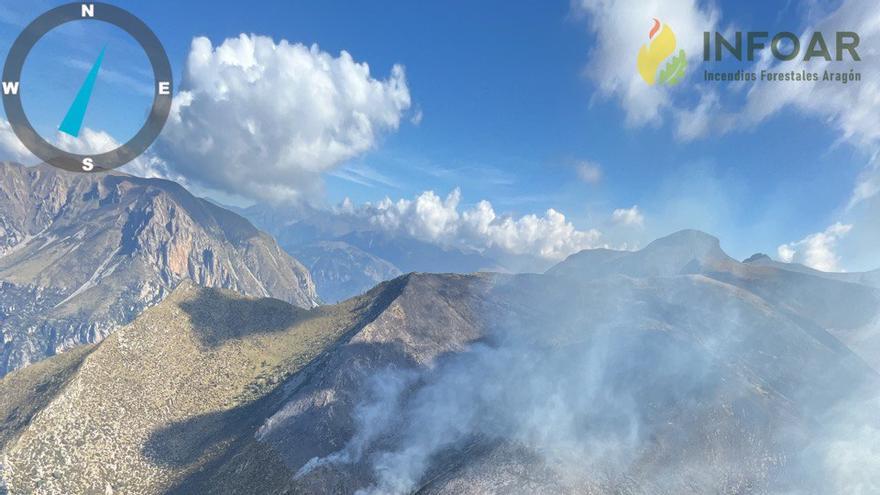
(417, 116)
(589, 172)
(850, 109)
(620, 29)
(432, 218)
(11, 148)
(816, 250)
(694, 123)
(264, 119)
(92, 142)
(89, 142)
(868, 183)
(847, 107)
(426, 217)
(628, 216)
(364, 175)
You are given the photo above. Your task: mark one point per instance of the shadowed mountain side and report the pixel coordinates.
(429, 317)
(218, 442)
(217, 316)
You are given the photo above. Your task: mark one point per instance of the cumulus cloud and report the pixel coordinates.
(620, 29)
(442, 220)
(263, 119)
(89, 141)
(628, 216)
(816, 250)
(589, 172)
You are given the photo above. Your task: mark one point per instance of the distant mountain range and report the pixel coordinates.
(347, 255)
(670, 370)
(82, 254)
(342, 270)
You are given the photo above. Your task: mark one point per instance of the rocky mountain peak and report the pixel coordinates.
(688, 243)
(82, 254)
(686, 251)
(758, 258)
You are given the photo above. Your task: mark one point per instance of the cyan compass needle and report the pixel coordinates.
(72, 122)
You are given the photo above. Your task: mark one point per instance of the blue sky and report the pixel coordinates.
(513, 97)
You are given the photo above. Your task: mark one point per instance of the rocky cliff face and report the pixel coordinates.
(81, 255)
(689, 373)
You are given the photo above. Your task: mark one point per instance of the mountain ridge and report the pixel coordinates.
(82, 254)
(730, 371)
(228, 351)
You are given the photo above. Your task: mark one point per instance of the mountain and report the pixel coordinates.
(688, 251)
(871, 278)
(82, 254)
(354, 255)
(341, 270)
(205, 363)
(844, 304)
(410, 255)
(674, 370)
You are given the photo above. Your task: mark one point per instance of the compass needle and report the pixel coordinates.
(72, 122)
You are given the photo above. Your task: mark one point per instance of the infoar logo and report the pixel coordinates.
(660, 48)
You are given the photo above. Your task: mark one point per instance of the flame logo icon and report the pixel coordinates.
(660, 47)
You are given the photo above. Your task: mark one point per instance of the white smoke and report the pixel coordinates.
(567, 387)
(599, 377)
